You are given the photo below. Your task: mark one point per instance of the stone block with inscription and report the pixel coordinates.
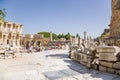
(105, 50)
(108, 53)
(107, 57)
(106, 64)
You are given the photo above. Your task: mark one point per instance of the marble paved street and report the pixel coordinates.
(48, 65)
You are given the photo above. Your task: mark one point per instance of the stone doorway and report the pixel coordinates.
(27, 44)
(8, 42)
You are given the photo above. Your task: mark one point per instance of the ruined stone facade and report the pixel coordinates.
(115, 20)
(114, 37)
(10, 33)
(35, 40)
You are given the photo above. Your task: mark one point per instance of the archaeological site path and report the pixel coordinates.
(48, 65)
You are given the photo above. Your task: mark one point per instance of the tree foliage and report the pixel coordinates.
(77, 35)
(2, 14)
(67, 36)
(47, 35)
(61, 36)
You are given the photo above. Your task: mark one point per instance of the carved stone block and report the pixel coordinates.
(116, 65)
(111, 70)
(101, 68)
(105, 50)
(107, 57)
(106, 64)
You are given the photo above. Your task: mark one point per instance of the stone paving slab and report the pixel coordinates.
(32, 75)
(48, 65)
(69, 72)
(54, 75)
(13, 76)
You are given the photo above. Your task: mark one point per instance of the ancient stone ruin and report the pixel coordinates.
(114, 37)
(116, 4)
(102, 57)
(105, 58)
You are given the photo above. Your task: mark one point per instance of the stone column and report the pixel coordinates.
(1, 39)
(11, 28)
(70, 40)
(5, 40)
(78, 41)
(1, 25)
(85, 36)
(42, 35)
(14, 41)
(18, 42)
(51, 36)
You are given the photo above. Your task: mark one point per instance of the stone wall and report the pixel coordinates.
(113, 38)
(105, 59)
(115, 19)
(10, 33)
(114, 24)
(109, 60)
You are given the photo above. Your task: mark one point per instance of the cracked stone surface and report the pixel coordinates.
(48, 65)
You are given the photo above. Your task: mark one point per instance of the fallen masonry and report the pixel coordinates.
(106, 58)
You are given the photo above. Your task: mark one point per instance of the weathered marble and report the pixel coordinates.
(108, 53)
(106, 64)
(105, 50)
(116, 65)
(110, 70)
(101, 68)
(48, 65)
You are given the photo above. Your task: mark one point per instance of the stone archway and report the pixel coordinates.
(38, 43)
(32, 42)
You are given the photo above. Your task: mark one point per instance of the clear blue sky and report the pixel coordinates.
(59, 16)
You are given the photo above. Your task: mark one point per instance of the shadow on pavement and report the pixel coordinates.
(59, 56)
(82, 70)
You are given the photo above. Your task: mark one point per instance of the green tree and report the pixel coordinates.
(67, 36)
(54, 36)
(77, 35)
(59, 36)
(73, 36)
(2, 14)
(47, 35)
